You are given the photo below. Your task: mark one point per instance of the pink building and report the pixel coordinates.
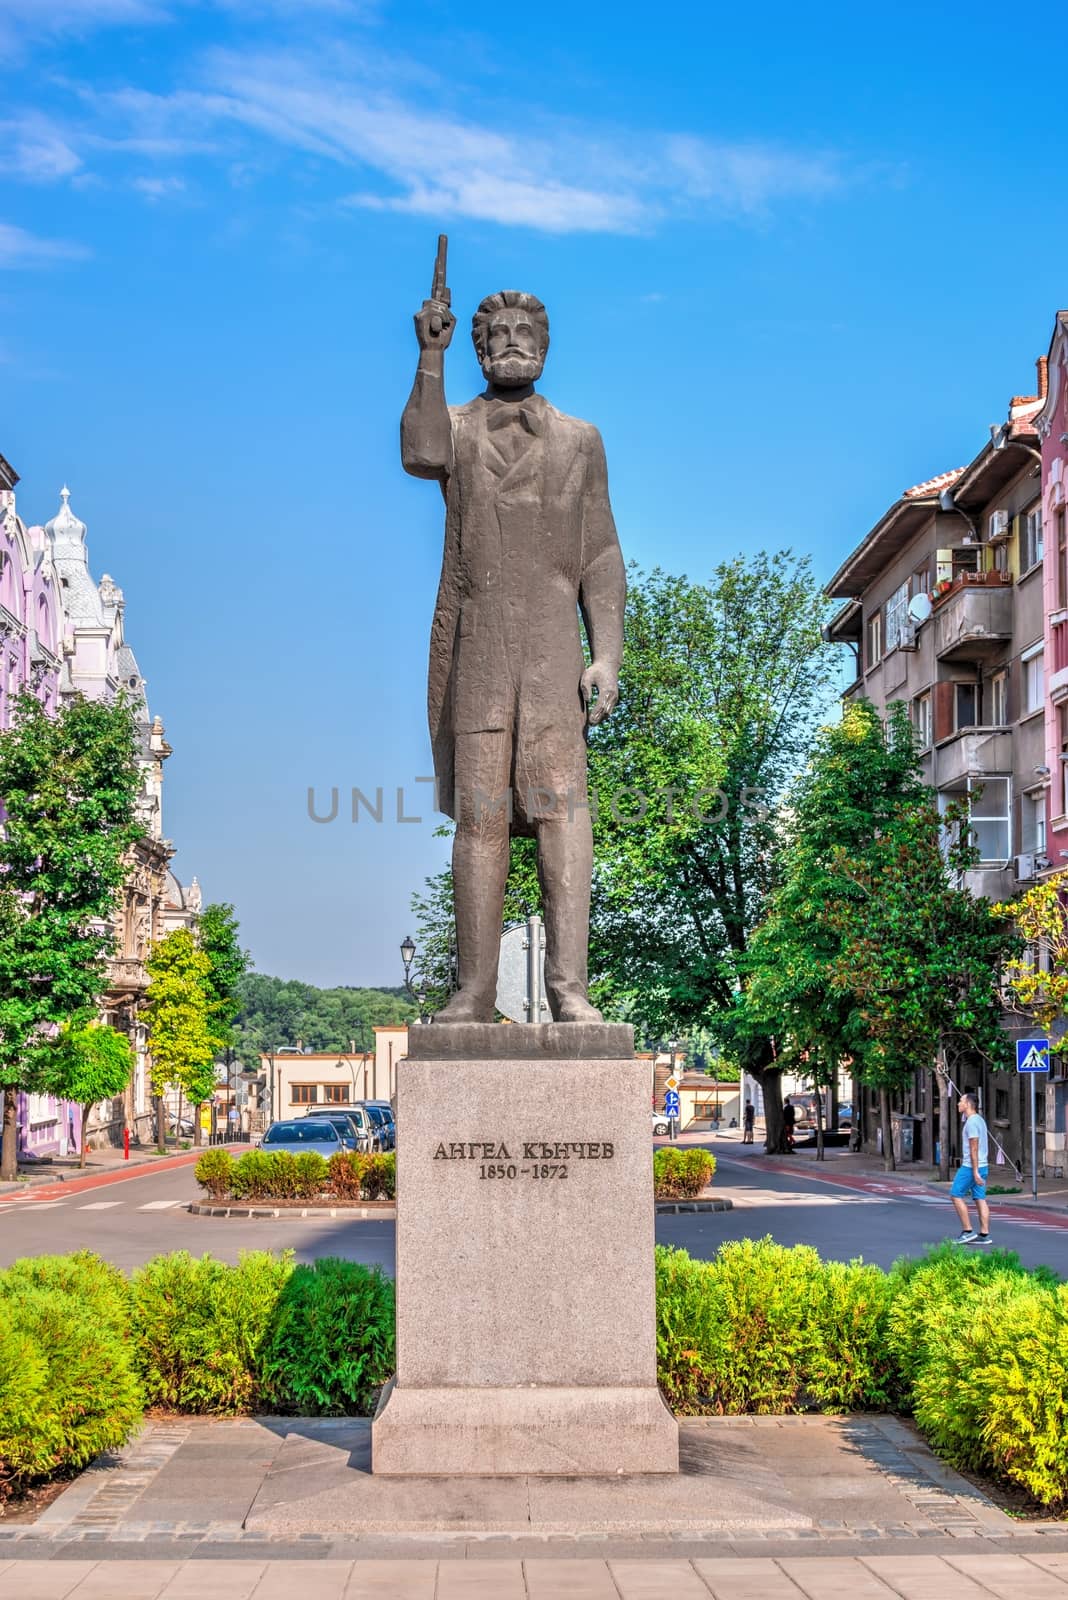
(1052, 427)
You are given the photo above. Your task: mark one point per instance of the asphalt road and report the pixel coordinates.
(138, 1217)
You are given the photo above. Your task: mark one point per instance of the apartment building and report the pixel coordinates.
(943, 610)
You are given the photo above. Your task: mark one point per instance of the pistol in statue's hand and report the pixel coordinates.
(434, 323)
(606, 683)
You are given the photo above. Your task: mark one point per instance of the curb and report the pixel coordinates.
(366, 1213)
(388, 1213)
(96, 1177)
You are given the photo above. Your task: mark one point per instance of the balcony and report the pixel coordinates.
(973, 619)
(972, 752)
(126, 976)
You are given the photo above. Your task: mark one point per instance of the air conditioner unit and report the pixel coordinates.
(998, 525)
(1024, 868)
(907, 640)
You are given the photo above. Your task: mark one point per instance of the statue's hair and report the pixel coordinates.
(497, 302)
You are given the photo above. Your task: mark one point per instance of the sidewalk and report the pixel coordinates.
(839, 1164)
(763, 1508)
(873, 1577)
(103, 1166)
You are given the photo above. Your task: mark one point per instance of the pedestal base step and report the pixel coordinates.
(515, 1432)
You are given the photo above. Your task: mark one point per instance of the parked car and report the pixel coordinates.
(384, 1128)
(388, 1112)
(661, 1125)
(305, 1133)
(346, 1127)
(845, 1118)
(360, 1131)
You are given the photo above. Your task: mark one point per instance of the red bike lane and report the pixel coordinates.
(98, 1180)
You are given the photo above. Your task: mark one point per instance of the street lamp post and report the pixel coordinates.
(418, 997)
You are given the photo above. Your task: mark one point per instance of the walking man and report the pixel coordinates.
(789, 1118)
(970, 1182)
(747, 1126)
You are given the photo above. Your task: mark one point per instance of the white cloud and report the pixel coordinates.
(21, 249)
(159, 188)
(36, 151)
(390, 123)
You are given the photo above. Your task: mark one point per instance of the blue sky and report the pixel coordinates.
(796, 258)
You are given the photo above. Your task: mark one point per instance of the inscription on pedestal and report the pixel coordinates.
(541, 1160)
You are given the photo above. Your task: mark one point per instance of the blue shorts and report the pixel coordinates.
(965, 1186)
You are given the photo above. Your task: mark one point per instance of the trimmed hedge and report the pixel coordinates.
(974, 1345)
(68, 1384)
(766, 1329)
(280, 1175)
(681, 1174)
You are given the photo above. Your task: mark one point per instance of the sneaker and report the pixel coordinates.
(983, 1238)
(966, 1236)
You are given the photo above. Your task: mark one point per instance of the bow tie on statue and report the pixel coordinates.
(513, 413)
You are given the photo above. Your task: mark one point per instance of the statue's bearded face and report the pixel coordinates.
(511, 345)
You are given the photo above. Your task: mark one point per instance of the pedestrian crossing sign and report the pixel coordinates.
(1032, 1055)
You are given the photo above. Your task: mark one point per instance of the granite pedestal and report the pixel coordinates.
(525, 1295)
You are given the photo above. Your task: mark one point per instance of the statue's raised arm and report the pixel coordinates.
(426, 435)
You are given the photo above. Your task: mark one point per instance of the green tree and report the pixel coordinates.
(872, 949)
(68, 785)
(1037, 979)
(178, 1008)
(721, 689)
(218, 936)
(86, 1062)
(282, 1012)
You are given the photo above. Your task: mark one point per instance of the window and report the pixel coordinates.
(336, 1094)
(1034, 682)
(965, 560)
(304, 1094)
(1060, 782)
(990, 818)
(921, 719)
(897, 611)
(966, 705)
(1001, 1105)
(875, 639)
(1033, 823)
(919, 583)
(1031, 537)
(1062, 560)
(999, 700)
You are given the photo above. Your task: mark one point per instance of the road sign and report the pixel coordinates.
(671, 1084)
(1032, 1055)
(671, 1103)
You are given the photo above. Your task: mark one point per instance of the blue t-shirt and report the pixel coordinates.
(975, 1128)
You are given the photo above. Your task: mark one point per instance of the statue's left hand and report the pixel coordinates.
(606, 682)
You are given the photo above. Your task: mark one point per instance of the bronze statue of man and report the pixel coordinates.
(529, 543)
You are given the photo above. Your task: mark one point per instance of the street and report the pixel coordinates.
(131, 1219)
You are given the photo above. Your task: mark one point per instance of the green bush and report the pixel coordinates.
(763, 1328)
(93, 1283)
(681, 1174)
(215, 1173)
(925, 1291)
(264, 1175)
(331, 1345)
(68, 1389)
(379, 1178)
(199, 1327)
(309, 1172)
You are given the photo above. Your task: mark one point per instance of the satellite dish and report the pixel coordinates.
(920, 607)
